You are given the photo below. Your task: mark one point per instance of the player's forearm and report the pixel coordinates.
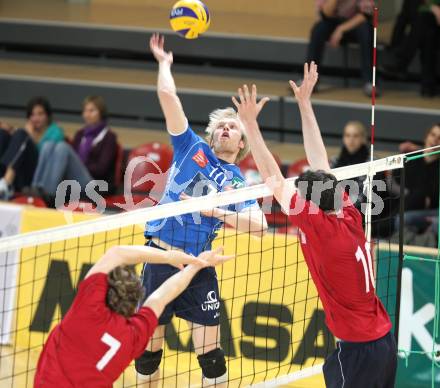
(266, 163)
(253, 222)
(165, 79)
(313, 143)
(268, 167)
(169, 101)
(132, 254)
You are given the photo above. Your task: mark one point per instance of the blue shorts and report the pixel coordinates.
(362, 364)
(199, 303)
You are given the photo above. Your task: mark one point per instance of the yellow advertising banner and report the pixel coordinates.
(271, 320)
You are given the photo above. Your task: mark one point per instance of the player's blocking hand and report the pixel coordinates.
(215, 257)
(303, 92)
(248, 108)
(156, 46)
(178, 259)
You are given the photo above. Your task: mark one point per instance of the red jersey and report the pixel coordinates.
(339, 260)
(93, 345)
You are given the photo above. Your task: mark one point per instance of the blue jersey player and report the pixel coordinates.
(199, 168)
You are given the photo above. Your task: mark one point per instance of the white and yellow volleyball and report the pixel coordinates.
(190, 18)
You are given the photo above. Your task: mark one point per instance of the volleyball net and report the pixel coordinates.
(272, 326)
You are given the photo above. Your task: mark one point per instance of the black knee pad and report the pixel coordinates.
(213, 363)
(148, 362)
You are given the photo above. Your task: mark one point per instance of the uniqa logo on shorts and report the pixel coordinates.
(211, 302)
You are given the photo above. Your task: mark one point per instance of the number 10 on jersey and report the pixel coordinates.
(367, 263)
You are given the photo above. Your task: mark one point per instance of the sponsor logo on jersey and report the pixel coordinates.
(237, 183)
(200, 158)
(211, 303)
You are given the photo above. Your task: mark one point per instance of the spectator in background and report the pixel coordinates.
(424, 36)
(354, 150)
(340, 20)
(404, 22)
(422, 185)
(19, 147)
(91, 156)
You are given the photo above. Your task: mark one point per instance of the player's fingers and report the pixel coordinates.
(263, 102)
(254, 93)
(294, 86)
(306, 71)
(241, 96)
(235, 102)
(198, 260)
(219, 250)
(224, 258)
(161, 41)
(246, 93)
(315, 71)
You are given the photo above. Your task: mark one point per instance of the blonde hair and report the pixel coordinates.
(359, 126)
(221, 114)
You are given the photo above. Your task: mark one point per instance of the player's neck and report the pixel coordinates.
(226, 156)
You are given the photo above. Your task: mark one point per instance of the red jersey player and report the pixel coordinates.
(102, 332)
(334, 247)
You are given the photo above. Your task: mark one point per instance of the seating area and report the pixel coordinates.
(100, 50)
(140, 177)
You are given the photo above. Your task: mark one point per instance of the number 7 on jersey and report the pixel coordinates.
(114, 347)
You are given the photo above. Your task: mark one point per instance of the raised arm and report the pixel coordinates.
(313, 143)
(175, 118)
(250, 220)
(135, 254)
(176, 284)
(248, 110)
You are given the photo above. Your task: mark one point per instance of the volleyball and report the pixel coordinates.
(190, 18)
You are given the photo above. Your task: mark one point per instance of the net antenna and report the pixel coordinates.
(371, 173)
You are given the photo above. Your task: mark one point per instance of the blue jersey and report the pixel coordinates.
(195, 171)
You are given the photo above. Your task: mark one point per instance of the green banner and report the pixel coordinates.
(417, 312)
